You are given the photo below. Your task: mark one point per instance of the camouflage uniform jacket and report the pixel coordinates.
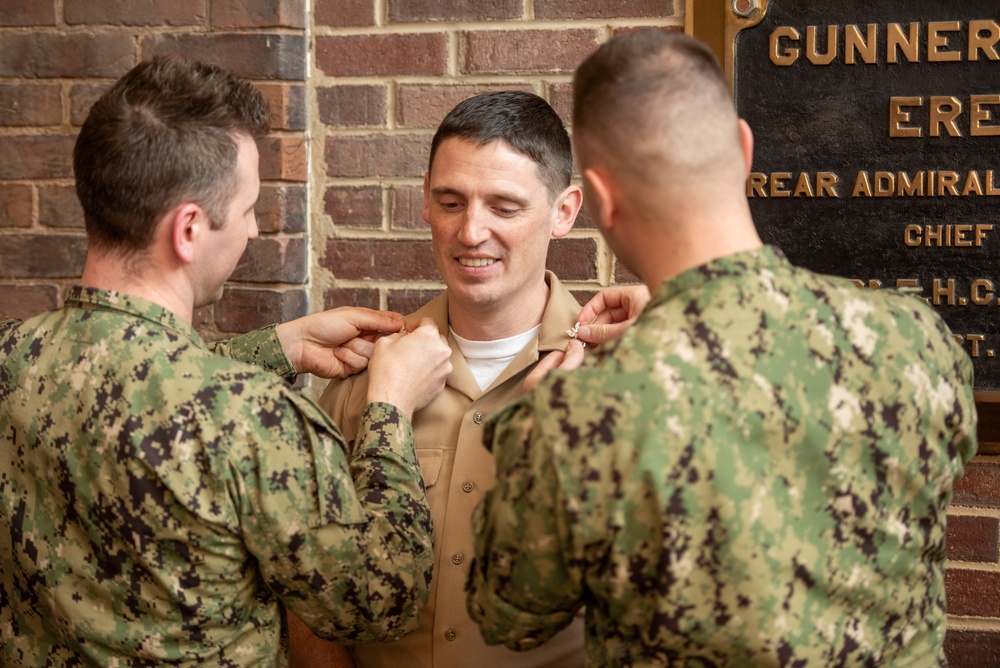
(161, 503)
(756, 474)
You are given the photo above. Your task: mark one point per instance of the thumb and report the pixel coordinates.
(597, 334)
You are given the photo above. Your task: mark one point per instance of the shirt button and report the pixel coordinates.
(449, 635)
(468, 486)
(457, 558)
(478, 418)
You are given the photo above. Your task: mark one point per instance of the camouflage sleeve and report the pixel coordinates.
(344, 401)
(353, 559)
(261, 348)
(526, 582)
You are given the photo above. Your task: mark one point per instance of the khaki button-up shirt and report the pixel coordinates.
(457, 470)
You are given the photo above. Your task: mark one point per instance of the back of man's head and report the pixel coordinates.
(162, 134)
(525, 121)
(656, 108)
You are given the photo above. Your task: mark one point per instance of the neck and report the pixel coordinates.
(111, 272)
(488, 322)
(712, 235)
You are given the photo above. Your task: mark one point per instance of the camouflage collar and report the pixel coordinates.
(737, 264)
(109, 300)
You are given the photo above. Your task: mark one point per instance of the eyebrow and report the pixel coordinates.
(507, 197)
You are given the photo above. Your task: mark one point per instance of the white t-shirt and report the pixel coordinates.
(488, 359)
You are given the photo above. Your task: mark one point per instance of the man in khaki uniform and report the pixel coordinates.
(497, 189)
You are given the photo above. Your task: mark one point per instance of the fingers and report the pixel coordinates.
(369, 320)
(360, 346)
(569, 359)
(615, 304)
(409, 369)
(355, 354)
(598, 334)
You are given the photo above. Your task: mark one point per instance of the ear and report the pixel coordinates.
(746, 143)
(605, 193)
(567, 207)
(188, 223)
(427, 197)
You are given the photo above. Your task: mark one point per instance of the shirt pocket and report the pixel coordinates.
(430, 460)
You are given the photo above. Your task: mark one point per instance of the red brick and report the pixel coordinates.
(26, 104)
(573, 259)
(561, 99)
(281, 208)
(258, 14)
(352, 106)
(249, 55)
(27, 13)
(973, 593)
(980, 486)
(270, 260)
(425, 105)
(283, 158)
(341, 13)
(602, 9)
(972, 649)
(354, 206)
(621, 30)
(16, 205)
(242, 309)
(375, 156)
(973, 538)
(527, 51)
(26, 301)
(59, 207)
(623, 275)
(583, 219)
(408, 301)
(81, 98)
(135, 12)
(418, 11)
(382, 55)
(289, 105)
(336, 297)
(39, 157)
(383, 259)
(47, 55)
(42, 256)
(584, 296)
(408, 208)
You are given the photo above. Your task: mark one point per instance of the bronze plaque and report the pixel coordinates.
(877, 152)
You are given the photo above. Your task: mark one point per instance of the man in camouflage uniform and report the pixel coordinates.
(757, 473)
(160, 503)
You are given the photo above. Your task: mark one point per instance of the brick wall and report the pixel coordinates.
(386, 72)
(340, 217)
(57, 56)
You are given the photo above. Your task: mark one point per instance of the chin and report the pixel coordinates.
(209, 299)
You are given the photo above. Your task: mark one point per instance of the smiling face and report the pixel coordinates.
(491, 219)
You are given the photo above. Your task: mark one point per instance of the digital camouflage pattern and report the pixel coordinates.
(756, 474)
(161, 503)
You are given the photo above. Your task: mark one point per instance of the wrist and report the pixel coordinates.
(291, 343)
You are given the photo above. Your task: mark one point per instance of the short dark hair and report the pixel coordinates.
(524, 120)
(163, 133)
(641, 87)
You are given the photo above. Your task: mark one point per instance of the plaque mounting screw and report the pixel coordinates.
(745, 8)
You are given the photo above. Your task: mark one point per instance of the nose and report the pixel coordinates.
(475, 227)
